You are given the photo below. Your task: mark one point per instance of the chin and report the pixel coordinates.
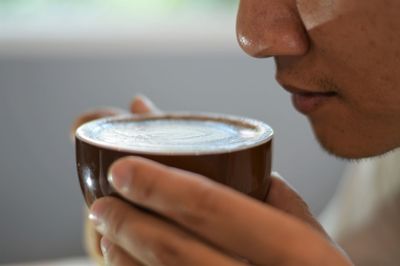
(349, 144)
(343, 152)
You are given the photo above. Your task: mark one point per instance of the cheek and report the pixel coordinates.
(362, 58)
(355, 44)
(315, 13)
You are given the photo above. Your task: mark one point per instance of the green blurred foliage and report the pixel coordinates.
(118, 4)
(23, 11)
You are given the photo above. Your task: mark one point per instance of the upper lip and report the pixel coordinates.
(296, 90)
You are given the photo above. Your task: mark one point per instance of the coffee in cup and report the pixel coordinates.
(231, 150)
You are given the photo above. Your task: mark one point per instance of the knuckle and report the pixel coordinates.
(145, 184)
(110, 257)
(204, 203)
(114, 257)
(167, 252)
(140, 234)
(163, 246)
(117, 222)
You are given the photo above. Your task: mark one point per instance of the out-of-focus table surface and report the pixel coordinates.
(61, 262)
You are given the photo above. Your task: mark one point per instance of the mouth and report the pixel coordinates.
(307, 102)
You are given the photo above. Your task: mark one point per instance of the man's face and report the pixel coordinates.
(341, 61)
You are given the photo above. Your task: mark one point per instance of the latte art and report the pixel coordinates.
(176, 134)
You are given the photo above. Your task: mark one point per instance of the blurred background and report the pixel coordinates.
(59, 58)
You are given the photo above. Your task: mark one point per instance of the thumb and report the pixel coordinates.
(142, 105)
(284, 197)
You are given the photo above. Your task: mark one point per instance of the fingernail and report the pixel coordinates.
(120, 176)
(143, 100)
(105, 245)
(140, 96)
(96, 217)
(147, 103)
(277, 175)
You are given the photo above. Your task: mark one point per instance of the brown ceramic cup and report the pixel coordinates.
(233, 151)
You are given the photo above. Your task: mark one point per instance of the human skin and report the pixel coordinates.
(350, 48)
(339, 60)
(281, 196)
(121, 227)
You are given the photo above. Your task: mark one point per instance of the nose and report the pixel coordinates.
(271, 28)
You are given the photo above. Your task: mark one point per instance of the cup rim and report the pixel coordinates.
(265, 137)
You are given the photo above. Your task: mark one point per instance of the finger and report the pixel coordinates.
(150, 240)
(116, 256)
(139, 105)
(93, 115)
(283, 197)
(92, 243)
(222, 216)
(142, 105)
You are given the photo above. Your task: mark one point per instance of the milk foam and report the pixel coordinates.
(173, 135)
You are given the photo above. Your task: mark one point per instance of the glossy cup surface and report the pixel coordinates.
(246, 168)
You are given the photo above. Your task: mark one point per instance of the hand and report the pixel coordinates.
(140, 105)
(196, 221)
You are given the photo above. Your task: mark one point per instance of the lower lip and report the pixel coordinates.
(309, 103)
